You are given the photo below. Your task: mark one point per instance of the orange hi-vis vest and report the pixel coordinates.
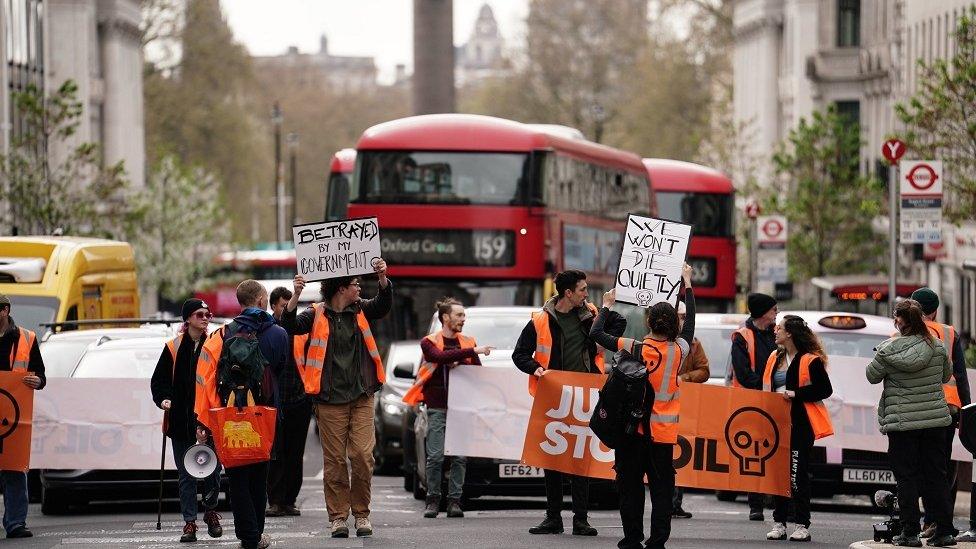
(206, 377)
(313, 361)
(416, 393)
(298, 344)
(662, 360)
(816, 411)
(20, 355)
(543, 344)
(947, 335)
(750, 339)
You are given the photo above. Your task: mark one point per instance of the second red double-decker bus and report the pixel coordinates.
(703, 198)
(486, 210)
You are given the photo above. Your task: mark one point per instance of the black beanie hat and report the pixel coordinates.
(759, 304)
(191, 306)
(927, 298)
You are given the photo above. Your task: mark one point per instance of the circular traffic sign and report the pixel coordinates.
(772, 228)
(893, 149)
(922, 177)
(752, 209)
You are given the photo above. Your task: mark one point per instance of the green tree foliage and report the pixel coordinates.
(200, 109)
(828, 203)
(183, 225)
(51, 183)
(941, 119)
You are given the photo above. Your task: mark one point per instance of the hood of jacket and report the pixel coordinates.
(255, 320)
(909, 353)
(583, 311)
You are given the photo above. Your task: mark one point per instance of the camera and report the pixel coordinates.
(884, 531)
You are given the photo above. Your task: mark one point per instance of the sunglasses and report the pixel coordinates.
(202, 315)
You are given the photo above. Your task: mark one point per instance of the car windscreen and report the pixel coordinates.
(118, 363)
(717, 344)
(499, 331)
(403, 353)
(30, 311)
(60, 357)
(850, 344)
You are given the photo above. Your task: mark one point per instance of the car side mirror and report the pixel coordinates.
(404, 370)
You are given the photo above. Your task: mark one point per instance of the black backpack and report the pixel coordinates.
(624, 400)
(241, 365)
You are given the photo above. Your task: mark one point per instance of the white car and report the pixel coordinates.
(62, 350)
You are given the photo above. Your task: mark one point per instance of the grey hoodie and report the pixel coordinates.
(913, 370)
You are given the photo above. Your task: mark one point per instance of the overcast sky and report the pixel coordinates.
(377, 28)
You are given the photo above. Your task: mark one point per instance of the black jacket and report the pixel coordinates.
(378, 307)
(178, 385)
(819, 389)
(525, 347)
(765, 346)
(8, 343)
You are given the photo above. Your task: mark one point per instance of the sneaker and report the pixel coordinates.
(212, 520)
(265, 542)
(189, 532)
(454, 508)
(941, 540)
(906, 540)
(433, 506)
(680, 514)
(339, 528)
(20, 532)
(549, 525)
(292, 511)
(968, 535)
(928, 530)
(778, 532)
(363, 527)
(582, 528)
(756, 516)
(275, 510)
(802, 533)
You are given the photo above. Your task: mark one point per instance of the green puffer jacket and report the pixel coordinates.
(913, 370)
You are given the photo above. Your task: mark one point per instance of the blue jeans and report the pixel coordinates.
(14, 499)
(188, 484)
(436, 424)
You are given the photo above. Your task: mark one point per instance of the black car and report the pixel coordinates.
(390, 408)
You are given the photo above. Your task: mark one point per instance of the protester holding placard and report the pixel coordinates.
(443, 351)
(341, 371)
(173, 390)
(694, 369)
(18, 351)
(662, 350)
(913, 414)
(798, 370)
(557, 338)
(751, 346)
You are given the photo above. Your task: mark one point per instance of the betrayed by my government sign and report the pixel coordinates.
(331, 249)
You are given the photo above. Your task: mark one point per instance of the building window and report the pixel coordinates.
(850, 113)
(24, 53)
(848, 23)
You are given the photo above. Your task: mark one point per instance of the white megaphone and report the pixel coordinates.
(200, 461)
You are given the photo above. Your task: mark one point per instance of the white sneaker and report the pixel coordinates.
(363, 527)
(968, 535)
(339, 528)
(778, 532)
(800, 534)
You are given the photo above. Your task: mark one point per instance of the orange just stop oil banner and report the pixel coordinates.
(16, 414)
(729, 439)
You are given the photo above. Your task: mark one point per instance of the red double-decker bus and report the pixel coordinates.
(703, 198)
(486, 210)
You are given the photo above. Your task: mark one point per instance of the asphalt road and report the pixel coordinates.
(398, 522)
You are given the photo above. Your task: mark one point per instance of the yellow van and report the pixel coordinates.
(58, 278)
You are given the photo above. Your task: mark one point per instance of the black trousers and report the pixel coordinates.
(579, 488)
(285, 472)
(801, 444)
(950, 435)
(635, 459)
(248, 497)
(918, 460)
(756, 502)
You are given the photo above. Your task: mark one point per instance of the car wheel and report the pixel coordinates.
(54, 502)
(34, 486)
(418, 490)
(379, 456)
(408, 480)
(722, 495)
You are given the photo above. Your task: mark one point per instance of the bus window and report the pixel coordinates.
(709, 214)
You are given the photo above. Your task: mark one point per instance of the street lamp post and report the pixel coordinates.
(292, 141)
(276, 119)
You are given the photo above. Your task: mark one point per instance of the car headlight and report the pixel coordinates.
(393, 409)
